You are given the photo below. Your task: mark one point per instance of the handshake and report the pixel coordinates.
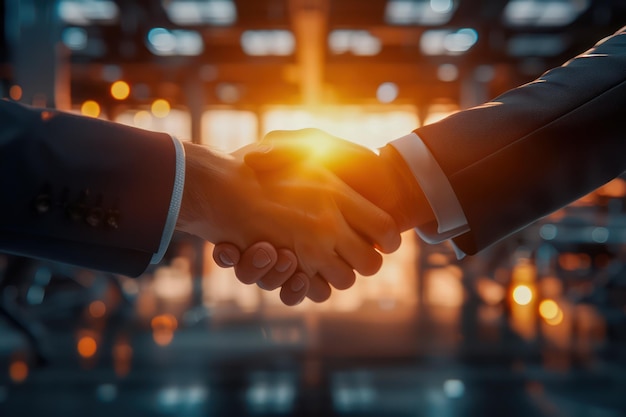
(300, 210)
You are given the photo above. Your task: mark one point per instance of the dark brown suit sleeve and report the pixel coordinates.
(538, 147)
(81, 190)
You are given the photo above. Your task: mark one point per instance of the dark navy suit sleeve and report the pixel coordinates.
(82, 190)
(538, 147)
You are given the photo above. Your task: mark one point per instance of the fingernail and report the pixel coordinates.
(297, 284)
(283, 266)
(261, 285)
(261, 259)
(226, 260)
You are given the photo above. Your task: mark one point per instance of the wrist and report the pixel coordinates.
(412, 208)
(205, 170)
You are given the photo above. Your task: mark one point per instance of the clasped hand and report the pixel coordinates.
(324, 229)
(302, 164)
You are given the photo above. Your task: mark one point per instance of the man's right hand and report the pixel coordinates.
(383, 179)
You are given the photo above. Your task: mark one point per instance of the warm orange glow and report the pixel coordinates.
(614, 189)
(558, 319)
(90, 108)
(164, 321)
(490, 291)
(524, 271)
(439, 111)
(87, 346)
(549, 309)
(142, 119)
(229, 130)
(367, 126)
(97, 309)
(122, 355)
(163, 327)
(18, 371)
(120, 90)
(522, 295)
(15, 92)
(443, 287)
(574, 261)
(163, 337)
(160, 108)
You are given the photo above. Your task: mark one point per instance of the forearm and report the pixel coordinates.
(412, 209)
(537, 147)
(78, 189)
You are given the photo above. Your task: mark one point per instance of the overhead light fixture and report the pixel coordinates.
(419, 12)
(447, 72)
(198, 12)
(164, 42)
(84, 12)
(544, 13)
(387, 92)
(268, 42)
(448, 42)
(74, 38)
(356, 42)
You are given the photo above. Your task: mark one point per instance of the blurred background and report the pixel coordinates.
(533, 326)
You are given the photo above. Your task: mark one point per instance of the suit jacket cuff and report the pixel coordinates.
(175, 202)
(450, 218)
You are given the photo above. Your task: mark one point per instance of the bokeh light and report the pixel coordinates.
(97, 309)
(18, 371)
(120, 90)
(90, 108)
(163, 327)
(15, 92)
(160, 108)
(558, 319)
(522, 295)
(87, 346)
(549, 309)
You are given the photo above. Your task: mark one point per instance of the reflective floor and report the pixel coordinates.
(427, 336)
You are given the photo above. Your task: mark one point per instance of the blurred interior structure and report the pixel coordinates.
(535, 325)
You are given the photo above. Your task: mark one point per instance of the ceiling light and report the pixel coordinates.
(419, 12)
(447, 72)
(356, 42)
(74, 38)
(197, 12)
(83, 12)
(448, 42)
(164, 42)
(543, 12)
(268, 42)
(387, 92)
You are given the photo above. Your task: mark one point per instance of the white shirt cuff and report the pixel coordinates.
(450, 218)
(175, 202)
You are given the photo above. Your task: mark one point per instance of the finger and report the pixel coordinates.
(284, 268)
(295, 289)
(337, 273)
(319, 290)
(255, 262)
(376, 225)
(358, 253)
(226, 255)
